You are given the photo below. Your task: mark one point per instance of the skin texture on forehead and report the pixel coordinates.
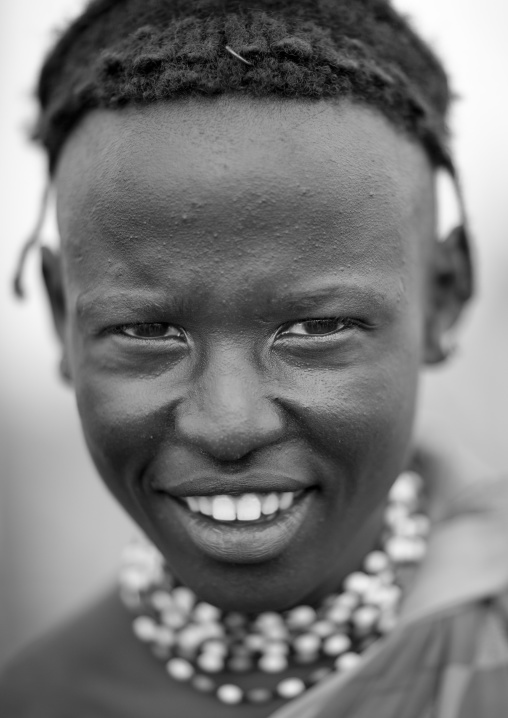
(234, 219)
(186, 153)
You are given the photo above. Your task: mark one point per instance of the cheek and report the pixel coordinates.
(123, 423)
(361, 416)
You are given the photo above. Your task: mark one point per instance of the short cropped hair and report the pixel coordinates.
(121, 52)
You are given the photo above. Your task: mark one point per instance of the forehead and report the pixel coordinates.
(223, 177)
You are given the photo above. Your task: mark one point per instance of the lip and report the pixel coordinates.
(244, 543)
(233, 485)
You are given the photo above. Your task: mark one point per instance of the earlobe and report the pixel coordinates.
(451, 287)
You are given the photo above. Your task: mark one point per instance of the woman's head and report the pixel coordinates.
(247, 289)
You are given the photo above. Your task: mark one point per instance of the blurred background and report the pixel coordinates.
(60, 532)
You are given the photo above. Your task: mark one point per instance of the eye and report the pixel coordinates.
(152, 330)
(316, 327)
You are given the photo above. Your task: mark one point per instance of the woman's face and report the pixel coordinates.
(246, 293)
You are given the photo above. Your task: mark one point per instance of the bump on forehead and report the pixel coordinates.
(226, 144)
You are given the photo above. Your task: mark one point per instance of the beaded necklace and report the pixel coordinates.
(197, 641)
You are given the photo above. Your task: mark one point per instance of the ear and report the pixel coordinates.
(53, 281)
(450, 288)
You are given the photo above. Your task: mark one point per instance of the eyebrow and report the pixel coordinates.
(314, 298)
(95, 305)
(91, 306)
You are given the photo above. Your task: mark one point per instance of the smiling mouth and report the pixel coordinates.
(243, 528)
(242, 509)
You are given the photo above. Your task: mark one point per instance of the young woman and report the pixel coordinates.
(249, 284)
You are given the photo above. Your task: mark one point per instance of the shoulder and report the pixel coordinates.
(86, 667)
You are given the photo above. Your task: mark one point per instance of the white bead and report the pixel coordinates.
(272, 663)
(399, 549)
(323, 628)
(406, 528)
(348, 600)
(230, 694)
(179, 669)
(217, 648)
(190, 637)
(381, 595)
(357, 582)
(268, 619)
(339, 614)
(161, 600)
(364, 618)
(376, 561)
(375, 586)
(340, 643)
(307, 643)
(144, 628)
(212, 630)
(184, 598)
(277, 633)
(405, 488)
(134, 579)
(276, 648)
(173, 618)
(290, 688)
(394, 514)
(347, 661)
(206, 613)
(164, 636)
(301, 616)
(210, 662)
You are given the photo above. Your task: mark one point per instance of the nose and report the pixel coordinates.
(227, 413)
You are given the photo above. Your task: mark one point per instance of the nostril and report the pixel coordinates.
(230, 438)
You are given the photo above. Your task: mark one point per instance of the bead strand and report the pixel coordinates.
(198, 641)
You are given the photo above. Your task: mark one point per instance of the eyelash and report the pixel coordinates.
(121, 330)
(282, 332)
(346, 322)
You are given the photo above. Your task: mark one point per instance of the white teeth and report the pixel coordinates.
(270, 504)
(205, 505)
(285, 500)
(248, 508)
(223, 508)
(193, 503)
